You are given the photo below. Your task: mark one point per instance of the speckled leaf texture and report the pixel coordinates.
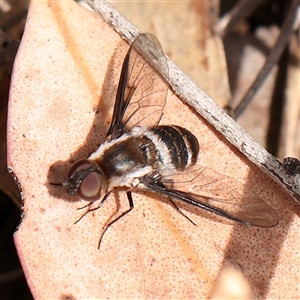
(62, 93)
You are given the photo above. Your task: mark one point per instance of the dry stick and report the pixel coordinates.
(281, 43)
(239, 12)
(191, 93)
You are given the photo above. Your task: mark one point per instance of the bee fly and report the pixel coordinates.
(139, 154)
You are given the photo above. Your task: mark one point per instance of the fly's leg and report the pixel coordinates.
(131, 206)
(179, 210)
(156, 179)
(93, 209)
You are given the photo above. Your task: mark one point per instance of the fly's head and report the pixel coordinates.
(87, 180)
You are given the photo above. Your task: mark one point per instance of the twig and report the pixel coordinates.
(284, 36)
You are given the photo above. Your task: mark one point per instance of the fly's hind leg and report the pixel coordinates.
(179, 210)
(154, 180)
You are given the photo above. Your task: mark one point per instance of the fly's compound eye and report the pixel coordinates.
(87, 180)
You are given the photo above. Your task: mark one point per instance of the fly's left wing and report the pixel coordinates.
(142, 92)
(217, 193)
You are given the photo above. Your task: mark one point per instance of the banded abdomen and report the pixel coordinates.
(176, 147)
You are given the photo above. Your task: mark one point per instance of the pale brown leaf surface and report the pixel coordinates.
(182, 28)
(62, 94)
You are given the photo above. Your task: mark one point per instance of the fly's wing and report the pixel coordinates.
(142, 92)
(217, 193)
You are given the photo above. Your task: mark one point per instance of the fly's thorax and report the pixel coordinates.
(135, 132)
(127, 158)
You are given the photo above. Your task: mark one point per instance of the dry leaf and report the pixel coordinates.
(61, 100)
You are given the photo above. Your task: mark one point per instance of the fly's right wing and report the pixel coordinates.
(209, 190)
(142, 92)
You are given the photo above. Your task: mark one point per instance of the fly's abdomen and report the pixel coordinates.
(175, 145)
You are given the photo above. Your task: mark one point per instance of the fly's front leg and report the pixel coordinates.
(93, 209)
